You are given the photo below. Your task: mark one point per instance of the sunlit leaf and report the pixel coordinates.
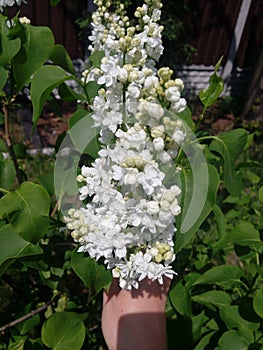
(220, 274)
(27, 210)
(229, 145)
(43, 82)
(212, 299)
(206, 186)
(63, 330)
(180, 300)
(95, 276)
(236, 339)
(37, 47)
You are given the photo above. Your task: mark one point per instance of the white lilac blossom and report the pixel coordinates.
(4, 3)
(129, 220)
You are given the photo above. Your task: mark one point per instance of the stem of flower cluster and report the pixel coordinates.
(10, 146)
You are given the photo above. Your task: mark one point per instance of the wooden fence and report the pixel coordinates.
(211, 24)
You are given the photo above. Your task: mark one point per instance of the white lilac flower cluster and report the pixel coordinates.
(129, 220)
(4, 3)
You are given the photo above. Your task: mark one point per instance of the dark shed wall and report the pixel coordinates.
(60, 18)
(211, 24)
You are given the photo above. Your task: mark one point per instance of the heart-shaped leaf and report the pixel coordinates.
(95, 276)
(27, 210)
(63, 330)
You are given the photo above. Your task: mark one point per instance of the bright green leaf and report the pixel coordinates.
(180, 300)
(229, 145)
(63, 330)
(197, 324)
(212, 299)
(243, 234)
(96, 57)
(91, 90)
(258, 302)
(191, 202)
(8, 47)
(17, 345)
(260, 194)
(204, 342)
(236, 339)
(27, 210)
(220, 219)
(216, 86)
(60, 57)
(43, 82)
(220, 274)
(81, 123)
(7, 174)
(37, 48)
(231, 317)
(186, 117)
(95, 276)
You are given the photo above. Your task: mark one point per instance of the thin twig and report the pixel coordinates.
(55, 209)
(30, 314)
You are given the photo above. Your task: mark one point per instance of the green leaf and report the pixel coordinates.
(47, 181)
(197, 324)
(17, 345)
(77, 116)
(95, 276)
(54, 2)
(38, 45)
(84, 135)
(180, 299)
(206, 184)
(260, 194)
(12, 246)
(220, 274)
(232, 318)
(27, 210)
(60, 57)
(243, 234)
(63, 330)
(3, 77)
(7, 174)
(68, 94)
(95, 58)
(258, 302)
(186, 117)
(92, 90)
(229, 145)
(236, 339)
(43, 82)
(3, 147)
(204, 342)
(212, 299)
(220, 219)
(25, 326)
(8, 47)
(216, 86)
